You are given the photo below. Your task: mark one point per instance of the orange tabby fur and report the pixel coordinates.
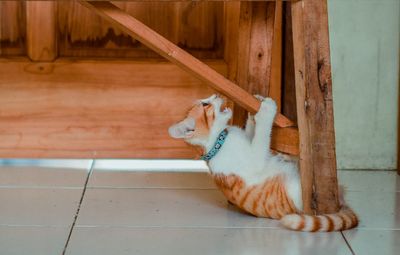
(268, 198)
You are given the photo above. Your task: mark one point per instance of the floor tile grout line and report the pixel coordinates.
(179, 227)
(153, 188)
(79, 206)
(367, 170)
(347, 243)
(32, 226)
(40, 187)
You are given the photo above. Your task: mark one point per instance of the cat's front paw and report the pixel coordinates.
(259, 97)
(227, 113)
(269, 105)
(267, 110)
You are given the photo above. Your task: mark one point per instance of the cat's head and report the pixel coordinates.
(199, 121)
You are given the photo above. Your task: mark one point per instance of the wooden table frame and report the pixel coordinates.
(255, 54)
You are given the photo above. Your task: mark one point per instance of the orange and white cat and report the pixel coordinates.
(245, 170)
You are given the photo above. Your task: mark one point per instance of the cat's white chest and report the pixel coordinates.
(236, 158)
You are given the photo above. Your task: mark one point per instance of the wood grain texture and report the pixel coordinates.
(288, 81)
(315, 106)
(41, 30)
(231, 36)
(95, 109)
(12, 28)
(194, 26)
(285, 140)
(288, 137)
(254, 50)
(170, 51)
(275, 88)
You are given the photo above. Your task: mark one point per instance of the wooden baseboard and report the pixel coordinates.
(94, 109)
(97, 109)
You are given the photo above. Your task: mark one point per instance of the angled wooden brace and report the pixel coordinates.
(285, 135)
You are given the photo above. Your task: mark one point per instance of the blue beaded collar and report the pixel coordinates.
(217, 146)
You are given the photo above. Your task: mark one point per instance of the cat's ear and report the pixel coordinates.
(183, 129)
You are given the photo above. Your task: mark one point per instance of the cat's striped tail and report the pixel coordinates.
(342, 220)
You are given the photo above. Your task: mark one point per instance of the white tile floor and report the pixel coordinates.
(61, 207)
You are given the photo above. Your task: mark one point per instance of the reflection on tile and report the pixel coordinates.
(32, 240)
(48, 207)
(363, 241)
(54, 163)
(126, 179)
(376, 209)
(30, 176)
(219, 241)
(131, 212)
(377, 181)
(151, 165)
(163, 207)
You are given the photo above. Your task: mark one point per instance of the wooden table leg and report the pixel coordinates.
(314, 106)
(254, 51)
(41, 30)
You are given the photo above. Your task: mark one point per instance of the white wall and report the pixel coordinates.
(364, 38)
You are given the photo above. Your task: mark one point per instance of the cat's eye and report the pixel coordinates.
(204, 103)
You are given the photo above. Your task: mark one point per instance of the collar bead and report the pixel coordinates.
(217, 146)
